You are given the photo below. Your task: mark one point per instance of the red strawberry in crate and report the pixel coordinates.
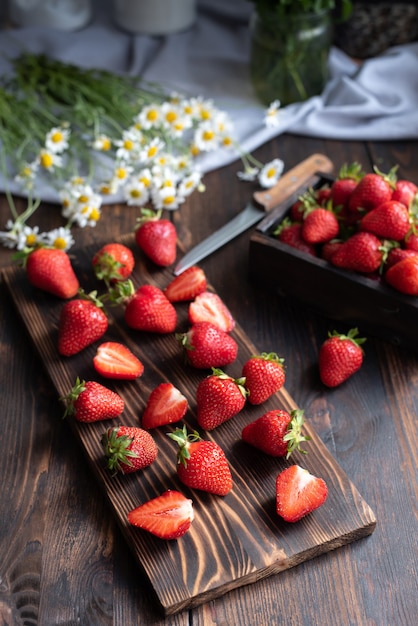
(187, 285)
(90, 402)
(398, 254)
(208, 346)
(157, 238)
(389, 220)
(340, 356)
(276, 433)
(50, 269)
(411, 239)
(168, 516)
(264, 375)
(344, 185)
(319, 226)
(405, 192)
(372, 190)
(166, 404)
(128, 449)
(208, 307)
(403, 276)
(298, 493)
(149, 310)
(82, 322)
(362, 252)
(219, 397)
(115, 360)
(329, 248)
(113, 262)
(290, 233)
(201, 464)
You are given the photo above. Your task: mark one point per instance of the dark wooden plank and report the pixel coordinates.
(238, 538)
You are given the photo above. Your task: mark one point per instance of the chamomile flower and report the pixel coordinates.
(27, 174)
(189, 183)
(151, 150)
(149, 117)
(144, 176)
(128, 146)
(205, 109)
(206, 137)
(166, 198)
(271, 119)
(250, 173)
(270, 173)
(10, 237)
(56, 140)
(59, 238)
(135, 192)
(102, 143)
(122, 172)
(28, 237)
(49, 160)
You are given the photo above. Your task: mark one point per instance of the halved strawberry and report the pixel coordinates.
(298, 493)
(114, 360)
(187, 285)
(166, 404)
(167, 516)
(208, 307)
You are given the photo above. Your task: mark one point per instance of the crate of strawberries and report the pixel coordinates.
(348, 248)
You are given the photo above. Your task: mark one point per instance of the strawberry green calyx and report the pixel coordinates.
(91, 297)
(240, 382)
(107, 268)
(148, 215)
(391, 177)
(353, 170)
(72, 396)
(285, 223)
(351, 336)
(121, 292)
(270, 356)
(184, 439)
(294, 435)
(116, 449)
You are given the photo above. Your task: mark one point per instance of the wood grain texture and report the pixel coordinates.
(238, 539)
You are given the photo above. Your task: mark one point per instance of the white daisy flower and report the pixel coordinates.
(136, 193)
(206, 137)
(270, 173)
(249, 174)
(149, 117)
(129, 145)
(28, 237)
(48, 160)
(271, 118)
(189, 183)
(59, 238)
(166, 198)
(102, 143)
(56, 140)
(150, 151)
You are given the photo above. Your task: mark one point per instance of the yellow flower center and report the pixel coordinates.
(31, 239)
(121, 173)
(152, 151)
(208, 135)
(135, 193)
(95, 215)
(82, 199)
(169, 200)
(105, 144)
(152, 115)
(171, 116)
(128, 144)
(46, 160)
(57, 137)
(60, 243)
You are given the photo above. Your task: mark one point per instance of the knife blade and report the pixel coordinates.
(262, 202)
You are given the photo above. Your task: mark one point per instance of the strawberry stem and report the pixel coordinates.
(184, 439)
(294, 435)
(116, 449)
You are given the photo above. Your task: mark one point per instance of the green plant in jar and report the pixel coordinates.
(290, 43)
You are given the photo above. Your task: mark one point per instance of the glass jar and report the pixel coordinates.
(289, 56)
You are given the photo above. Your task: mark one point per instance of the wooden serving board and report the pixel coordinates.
(234, 540)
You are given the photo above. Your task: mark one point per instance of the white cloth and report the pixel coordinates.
(377, 100)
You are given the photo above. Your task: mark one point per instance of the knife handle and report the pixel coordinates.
(292, 180)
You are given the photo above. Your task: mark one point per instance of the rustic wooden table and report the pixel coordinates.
(63, 559)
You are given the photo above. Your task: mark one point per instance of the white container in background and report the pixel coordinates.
(154, 17)
(60, 14)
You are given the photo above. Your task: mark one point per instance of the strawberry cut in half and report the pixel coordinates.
(168, 516)
(90, 402)
(298, 493)
(187, 285)
(208, 307)
(115, 360)
(166, 404)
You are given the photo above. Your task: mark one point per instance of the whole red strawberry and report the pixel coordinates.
(82, 322)
(276, 433)
(298, 493)
(398, 254)
(201, 464)
(168, 516)
(157, 238)
(149, 310)
(90, 402)
(208, 307)
(113, 262)
(264, 375)
(219, 397)
(166, 404)
(372, 190)
(128, 449)
(344, 185)
(50, 269)
(207, 346)
(290, 233)
(362, 252)
(403, 276)
(405, 191)
(389, 220)
(340, 356)
(187, 285)
(319, 225)
(411, 239)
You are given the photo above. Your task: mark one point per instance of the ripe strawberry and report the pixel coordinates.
(168, 516)
(201, 464)
(219, 397)
(157, 238)
(115, 360)
(277, 432)
(411, 240)
(166, 404)
(187, 285)
(343, 186)
(372, 190)
(362, 252)
(389, 220)
(403, 276)
(113, 262)
(319, 225)
(340, 356)
(323, 195)
(207, 346)
(128, 449)
(208, 307)
(329, 248)
(298, 493)
(82, 322)
(90, 402)
(149, 310)
(290, 233)
(398, 254)
(264, 375)
(50, 269)
(405, 191)
(297, 210)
